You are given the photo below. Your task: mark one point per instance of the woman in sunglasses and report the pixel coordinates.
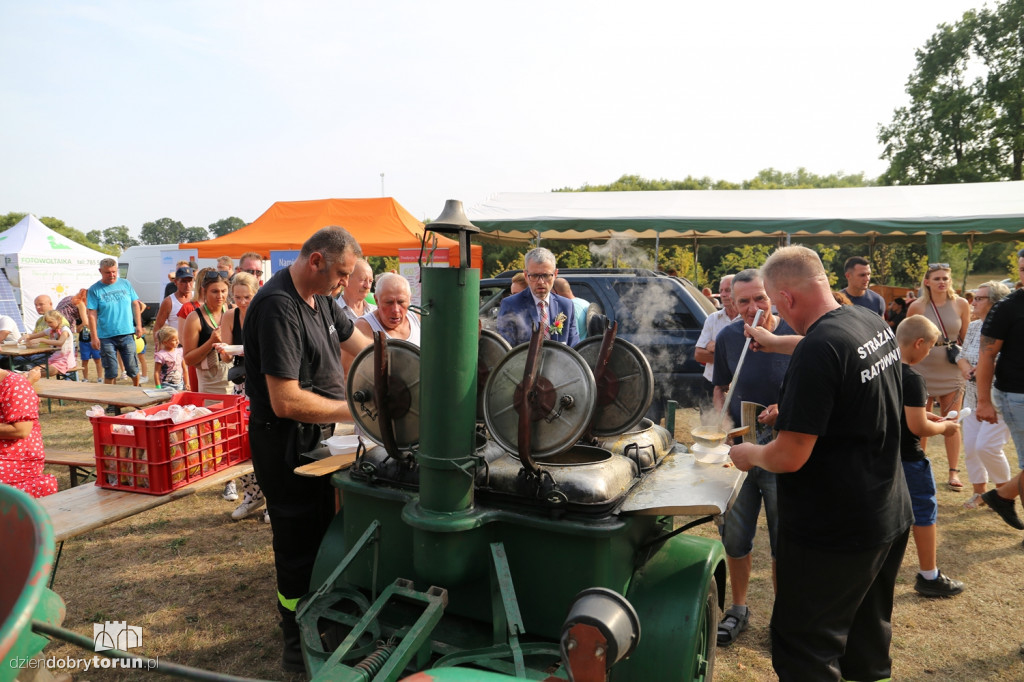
(202, 332)
(943, 379)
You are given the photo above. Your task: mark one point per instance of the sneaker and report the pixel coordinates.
(942, 586)
(975, 502)
(230, 491)
(99, 380)
(266, 515)
(143, 379)
(247, 507)
(1005, 508)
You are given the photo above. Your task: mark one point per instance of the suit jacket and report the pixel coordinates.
(518, 314)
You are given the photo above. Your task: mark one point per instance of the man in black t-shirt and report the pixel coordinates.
(294, 334)
(844, 510)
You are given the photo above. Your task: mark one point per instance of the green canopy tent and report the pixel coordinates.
(974, 212)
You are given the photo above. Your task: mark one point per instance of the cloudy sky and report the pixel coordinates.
(118, 113)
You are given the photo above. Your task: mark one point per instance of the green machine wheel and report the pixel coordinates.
(678, 594)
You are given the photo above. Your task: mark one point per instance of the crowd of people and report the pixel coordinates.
(846, 480)
(849, 383)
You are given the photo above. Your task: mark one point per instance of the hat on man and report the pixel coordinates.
(184, 273)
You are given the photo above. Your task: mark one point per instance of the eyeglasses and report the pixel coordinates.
(541, 276)
(981, 298)
(938, 266)
(214, 275)
(254, 273)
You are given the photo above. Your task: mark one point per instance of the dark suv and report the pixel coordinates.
(661, 315)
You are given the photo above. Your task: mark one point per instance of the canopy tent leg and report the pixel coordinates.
(657, 249)
(934, 243)
(967, 270)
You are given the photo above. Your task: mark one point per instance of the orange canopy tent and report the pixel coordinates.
(381, 226)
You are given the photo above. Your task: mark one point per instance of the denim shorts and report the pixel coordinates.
(109, 350)
(921, 484)
(741, 520)
(1011, 406)
(87, 352)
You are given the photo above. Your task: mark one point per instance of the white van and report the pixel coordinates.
(145, 268)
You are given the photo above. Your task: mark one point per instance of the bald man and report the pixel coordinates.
(844, 508)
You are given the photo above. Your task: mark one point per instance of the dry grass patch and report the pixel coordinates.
(203, 589)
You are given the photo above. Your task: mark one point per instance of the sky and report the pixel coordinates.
(120, 113)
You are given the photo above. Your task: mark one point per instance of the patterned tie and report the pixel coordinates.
(545, 328)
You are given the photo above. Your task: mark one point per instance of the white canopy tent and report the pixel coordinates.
(984, 210)
(38, 260)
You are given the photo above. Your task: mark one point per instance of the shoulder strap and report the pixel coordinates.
(938, 317)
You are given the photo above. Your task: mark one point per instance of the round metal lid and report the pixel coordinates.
(627, 390)
(403, 392)
(555, 426)
(492, 348)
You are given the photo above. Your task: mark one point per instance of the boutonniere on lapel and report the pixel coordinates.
(558, 324)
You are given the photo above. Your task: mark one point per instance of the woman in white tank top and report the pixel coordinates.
(392, 315)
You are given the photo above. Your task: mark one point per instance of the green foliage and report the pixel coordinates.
(1013, 260)
(225, 226)
(770, 178)
(10, 220)
(962, 127)
(382, 264)
(680, 259)
(117, 237)
(635, 183)
(576, 256)
(741, 258)
(168, 231)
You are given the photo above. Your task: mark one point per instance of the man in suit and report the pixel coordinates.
(538, 305)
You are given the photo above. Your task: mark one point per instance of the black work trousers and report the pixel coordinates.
(301, 508)
(833, 612)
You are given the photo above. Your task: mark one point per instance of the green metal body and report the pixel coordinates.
(25, 566)
(509, 574)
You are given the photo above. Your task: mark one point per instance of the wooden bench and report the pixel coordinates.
(87, 507)
(78, 463)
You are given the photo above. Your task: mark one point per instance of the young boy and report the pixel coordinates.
(916, 336)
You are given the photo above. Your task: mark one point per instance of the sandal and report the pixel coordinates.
(975, 502)
(954, 481)
(732, 624)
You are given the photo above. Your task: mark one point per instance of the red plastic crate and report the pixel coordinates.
(161, 456)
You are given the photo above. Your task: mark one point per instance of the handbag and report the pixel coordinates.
(237, 374)
(952, 347)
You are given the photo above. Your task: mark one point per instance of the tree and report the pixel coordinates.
(576, 256)
(113, 236)
(741, 258)
(959, 127)
(10, 220)
(225, 226)
(167, 231)
(770, 178)
(680, 259)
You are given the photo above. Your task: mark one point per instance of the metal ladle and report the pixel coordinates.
(713, 436)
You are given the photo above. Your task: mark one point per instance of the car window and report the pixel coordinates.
(652, 305)
(491, 297)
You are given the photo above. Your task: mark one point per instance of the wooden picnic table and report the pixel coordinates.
(101, 394)
(16, 351)
(84, 508)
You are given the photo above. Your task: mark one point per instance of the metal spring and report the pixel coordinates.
(375, 661)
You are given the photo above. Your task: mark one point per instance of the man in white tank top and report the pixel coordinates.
(169, 307)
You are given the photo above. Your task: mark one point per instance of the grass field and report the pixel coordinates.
(202, 587)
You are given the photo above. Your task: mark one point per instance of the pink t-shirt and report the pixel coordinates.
(171, 362)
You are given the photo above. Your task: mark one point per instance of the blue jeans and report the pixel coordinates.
(741, 519)
(1011, 406)
(921, 485)
(110, 348)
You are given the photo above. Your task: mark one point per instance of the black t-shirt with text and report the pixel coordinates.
(915, 394)
(843, 386)
(1005, 322)
(283, 333)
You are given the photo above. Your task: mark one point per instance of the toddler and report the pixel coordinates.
(168, 360)
(59, 334)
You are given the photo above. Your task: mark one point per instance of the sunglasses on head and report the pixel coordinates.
(938, 266)
(214, 275)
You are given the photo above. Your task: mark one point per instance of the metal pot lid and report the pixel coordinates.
(627, 390)
(403, 393)
(555, 426)
(492, 348)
